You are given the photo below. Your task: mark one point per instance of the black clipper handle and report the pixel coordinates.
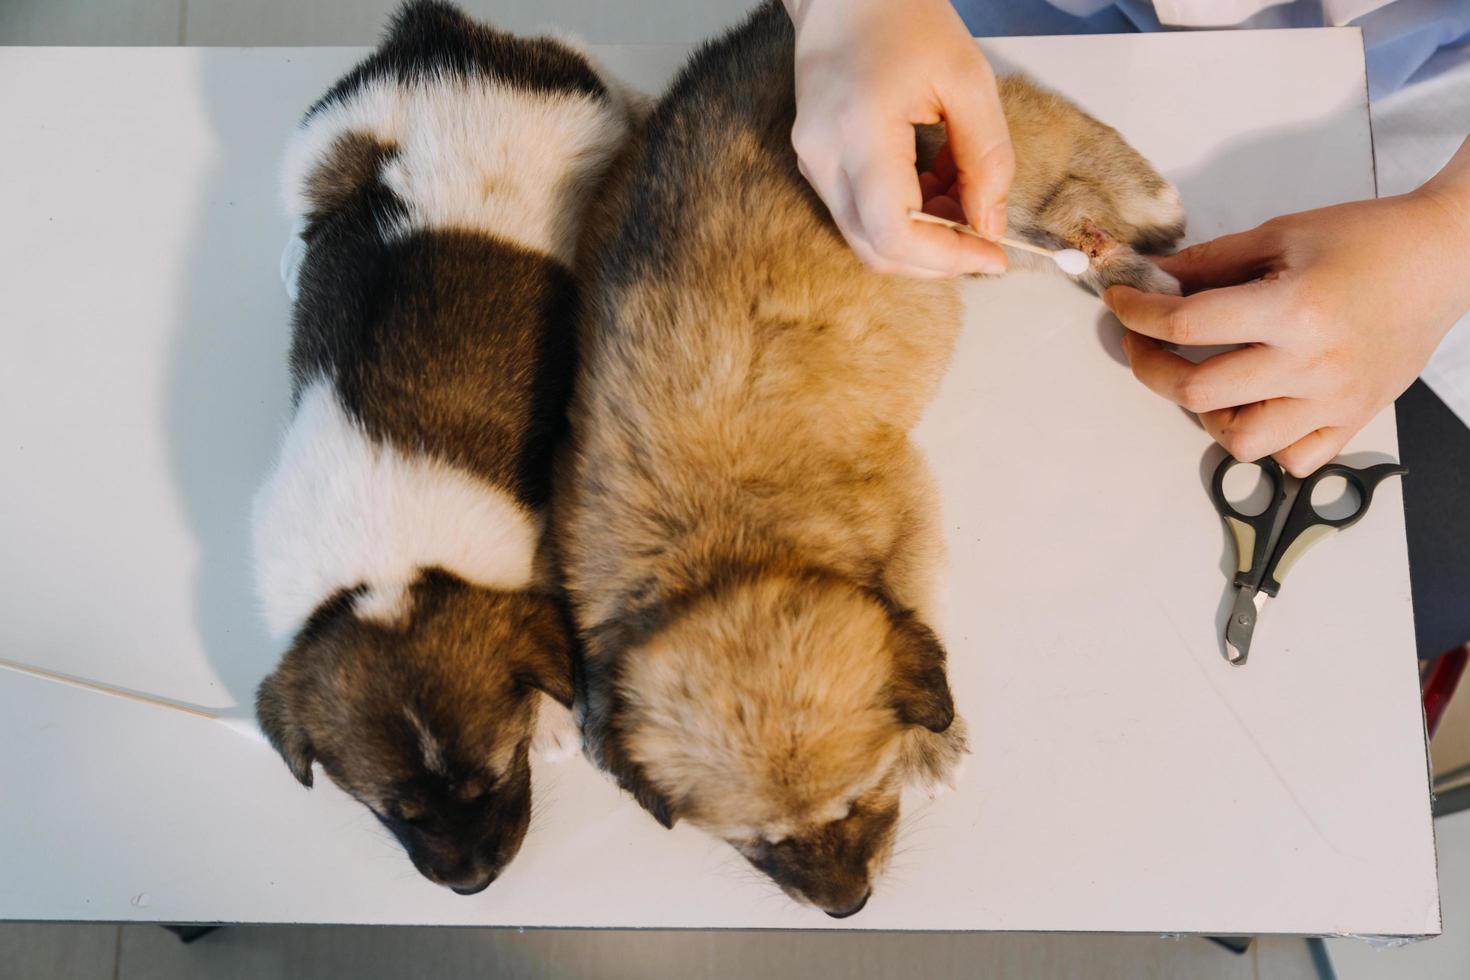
(1305, 527)
(1252, 532)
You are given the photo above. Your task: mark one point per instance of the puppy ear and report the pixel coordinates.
(933, 760)
(549, 669)
(920, 688)
(278, 722)
(653, 801)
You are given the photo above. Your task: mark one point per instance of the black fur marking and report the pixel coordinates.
(322, 618)
(1050, 197)
(711, 93)
(602, 713)
(449, 343)
(428, 39)
(1158, 239)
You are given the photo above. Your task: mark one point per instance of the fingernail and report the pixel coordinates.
(995, 222)
(1107, 298)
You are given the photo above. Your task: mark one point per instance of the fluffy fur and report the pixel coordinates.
(747, 534)
(343, 510)
(513, 192)
(399, 537)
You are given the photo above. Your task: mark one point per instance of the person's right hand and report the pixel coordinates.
(1337, 309)
(867, 72)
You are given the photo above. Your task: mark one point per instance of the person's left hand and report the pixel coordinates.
(1339, 309)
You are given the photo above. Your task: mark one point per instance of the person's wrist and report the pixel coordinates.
(803, 11)
(1443, 210)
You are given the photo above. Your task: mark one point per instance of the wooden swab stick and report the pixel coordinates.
(242, 726)
(1072, 261)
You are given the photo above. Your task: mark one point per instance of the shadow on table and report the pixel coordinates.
(229, 391)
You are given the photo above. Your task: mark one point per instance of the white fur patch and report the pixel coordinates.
(1163, 209)
(341, 509)
(474, 154)
(429, 747)
(291, 258)
(556, 737)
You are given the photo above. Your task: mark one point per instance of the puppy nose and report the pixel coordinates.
(851, 910)
(473, 887)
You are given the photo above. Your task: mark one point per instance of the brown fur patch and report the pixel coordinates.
(351, 165)
(778, 734)
(458, 681)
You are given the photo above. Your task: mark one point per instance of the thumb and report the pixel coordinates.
(1225, 261)
(980, 144)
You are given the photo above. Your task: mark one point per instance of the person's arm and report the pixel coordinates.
(867, 71)
(1340, 309)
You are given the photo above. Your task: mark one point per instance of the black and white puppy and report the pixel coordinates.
(438, 189)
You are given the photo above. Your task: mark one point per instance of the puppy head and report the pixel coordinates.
(427, 719)
(785, 715)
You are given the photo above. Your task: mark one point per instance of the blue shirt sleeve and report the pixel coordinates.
(1400, 39)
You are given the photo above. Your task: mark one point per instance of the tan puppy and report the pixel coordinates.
(747, 534)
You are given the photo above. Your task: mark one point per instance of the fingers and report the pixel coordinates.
(1234, 315)
(841, 203)
(1263, 428)
(980, 147)
(944, 167)
(1285, 424)
(881, 173)
(1225, 261)
(1313, 451)
(945, 207)
(1237, 377)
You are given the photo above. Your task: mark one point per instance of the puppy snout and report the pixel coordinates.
(851, 909)
(473, 887)
(462, 876)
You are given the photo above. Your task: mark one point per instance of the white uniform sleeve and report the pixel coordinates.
(1415, 131)
(1210, 13)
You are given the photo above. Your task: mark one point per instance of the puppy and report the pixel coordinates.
(439, 189)
(746, 533)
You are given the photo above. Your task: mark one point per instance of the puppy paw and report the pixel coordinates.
(1116, 263)
(556, 735)
(1080, 185)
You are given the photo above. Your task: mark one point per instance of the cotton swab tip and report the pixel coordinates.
(1073, 262)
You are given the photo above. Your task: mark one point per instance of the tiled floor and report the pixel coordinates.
(289, 22)
(100, 952)
(43, 952)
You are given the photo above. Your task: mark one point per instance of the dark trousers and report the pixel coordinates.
(1435, 445)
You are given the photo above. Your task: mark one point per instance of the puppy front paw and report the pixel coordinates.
(556, 737)
(1079, 184)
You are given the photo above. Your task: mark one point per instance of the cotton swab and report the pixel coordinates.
(239, 724)
(1073, 262)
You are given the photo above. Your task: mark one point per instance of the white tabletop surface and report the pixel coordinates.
(1124, 777)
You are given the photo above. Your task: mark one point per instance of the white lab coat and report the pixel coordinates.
(1223, 13)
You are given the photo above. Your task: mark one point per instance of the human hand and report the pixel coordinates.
(867, 72)
(1339, 309)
